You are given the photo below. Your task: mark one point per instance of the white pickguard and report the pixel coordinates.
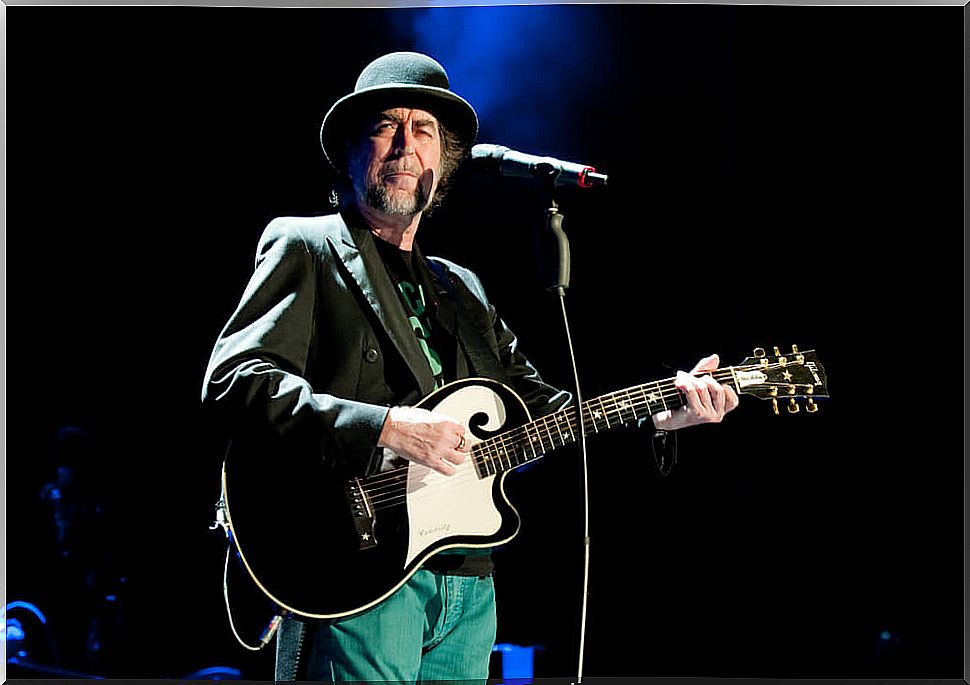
(441, 506)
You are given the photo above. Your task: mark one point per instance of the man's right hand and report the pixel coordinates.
(434, 440)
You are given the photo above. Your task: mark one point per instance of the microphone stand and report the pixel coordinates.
(554, 223)
(554, 218)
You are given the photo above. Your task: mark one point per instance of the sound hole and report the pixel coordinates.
(476, 424)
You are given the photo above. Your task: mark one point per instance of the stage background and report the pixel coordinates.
(778, 175)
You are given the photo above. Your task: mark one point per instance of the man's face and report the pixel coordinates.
(396, 166)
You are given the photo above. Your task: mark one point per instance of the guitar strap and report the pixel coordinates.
(485, 361)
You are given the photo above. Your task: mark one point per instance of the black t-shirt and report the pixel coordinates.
(416, 290)
(415, 286)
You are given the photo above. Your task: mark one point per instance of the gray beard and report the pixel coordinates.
(378, 197)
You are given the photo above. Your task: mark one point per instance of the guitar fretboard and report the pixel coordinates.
(621, 408)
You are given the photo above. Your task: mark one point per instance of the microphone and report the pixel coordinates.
(521, 165)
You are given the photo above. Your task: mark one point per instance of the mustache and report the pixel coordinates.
(399, 167)
(425, 178)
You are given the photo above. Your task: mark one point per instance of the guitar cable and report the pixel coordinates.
(561, 291)
(269, 631)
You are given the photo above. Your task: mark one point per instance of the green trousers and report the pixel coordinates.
(436, 627)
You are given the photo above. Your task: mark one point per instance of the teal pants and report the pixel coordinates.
(436, 627)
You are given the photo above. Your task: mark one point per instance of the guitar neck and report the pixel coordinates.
(621, 408)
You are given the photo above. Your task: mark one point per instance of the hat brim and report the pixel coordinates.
(452, 110)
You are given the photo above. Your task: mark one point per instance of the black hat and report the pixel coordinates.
(398, 79)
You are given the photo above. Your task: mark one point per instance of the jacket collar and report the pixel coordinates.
(358, 252)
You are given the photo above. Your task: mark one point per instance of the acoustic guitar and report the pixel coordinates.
(322, 545)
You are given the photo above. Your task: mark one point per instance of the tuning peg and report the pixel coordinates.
(793, 407)
(774, 406)
(759, 352)
(810, 406)
(794, 349)
(781, 360)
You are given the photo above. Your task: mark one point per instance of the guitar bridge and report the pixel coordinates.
(362, 514)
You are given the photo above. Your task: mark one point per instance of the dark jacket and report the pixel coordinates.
(320, 348)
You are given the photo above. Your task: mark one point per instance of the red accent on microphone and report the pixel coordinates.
(583, 183)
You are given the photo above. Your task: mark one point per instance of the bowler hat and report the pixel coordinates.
(398, 79)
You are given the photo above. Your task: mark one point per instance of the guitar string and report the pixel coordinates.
(488, 451)
(395, 480)
(520, 436)
(485, 452)
(515, 436)
(394, 494)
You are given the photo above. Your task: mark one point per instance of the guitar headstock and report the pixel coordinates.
(784, 378)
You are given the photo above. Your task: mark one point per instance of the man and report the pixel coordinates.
(345, 326)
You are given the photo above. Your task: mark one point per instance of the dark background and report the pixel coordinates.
(778, 175)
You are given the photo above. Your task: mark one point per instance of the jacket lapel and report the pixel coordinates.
(448, 318)
(359, 255)
(473, 355)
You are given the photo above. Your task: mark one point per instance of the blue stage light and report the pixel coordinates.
(29, 607)
(15, 630)
(498, 59)
(215, 673)
(517, 661)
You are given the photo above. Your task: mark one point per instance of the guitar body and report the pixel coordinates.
(324, 545)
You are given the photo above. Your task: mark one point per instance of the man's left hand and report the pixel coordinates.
(707, 401)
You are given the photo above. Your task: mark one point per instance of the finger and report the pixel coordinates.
(731, 398)
(711, 400)
(707, 397)
(725, 399)
(662, 420)
(453, 456)
(683, 381)
(706, 364)
(717, 395)
(443, 466)
(695, 401)
(687, 385)
(454, 445)
(445, 434)
(691, 381)
(454, 431)
(707, 389)
(439, 463)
